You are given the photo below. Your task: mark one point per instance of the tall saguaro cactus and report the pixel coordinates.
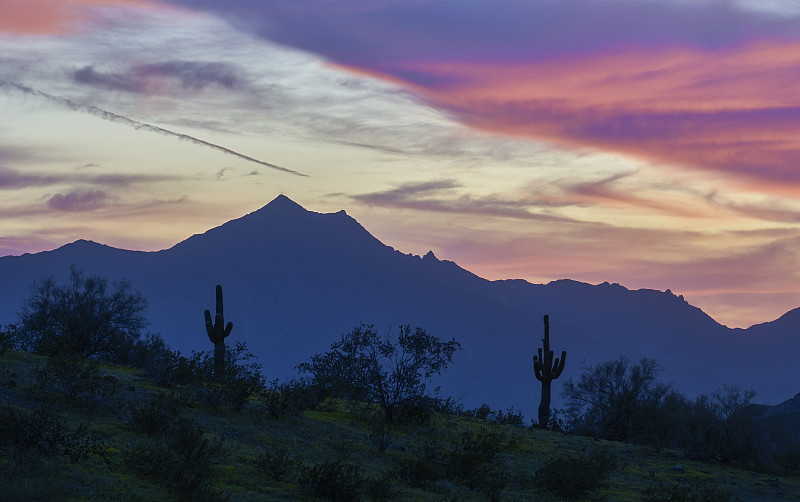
(217, 331)
(546, 371)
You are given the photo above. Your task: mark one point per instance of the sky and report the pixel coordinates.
(650, 143)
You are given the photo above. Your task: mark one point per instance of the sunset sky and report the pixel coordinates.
(651, 143)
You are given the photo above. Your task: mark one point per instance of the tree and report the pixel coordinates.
(365, 366)
(84, 317)
(611, 399)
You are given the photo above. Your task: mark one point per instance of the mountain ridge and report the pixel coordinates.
(295, 280)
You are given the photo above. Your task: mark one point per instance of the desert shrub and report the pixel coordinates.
(393, 373)
(607, 400)
(510, 417)
(380, 434)
(335, 481)
(291, 397)
(76, 378)
(84, 317)
(181, 458)
(241, 378)
(470, 461)
(43, 431)
(422, 468)
(9, 338)
(157, 360)
(154, 415)
(692, 492)
(277, 461)
(489, 481)
(571, 476)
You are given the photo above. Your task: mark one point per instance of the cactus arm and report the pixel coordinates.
(210, 327)
(558, 367)
(537, 368)
(228, 329)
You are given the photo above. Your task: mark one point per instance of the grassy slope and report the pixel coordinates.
(336, 431)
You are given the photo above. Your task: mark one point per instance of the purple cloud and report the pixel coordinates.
(188, 75)
(79, 200)
(388, 31)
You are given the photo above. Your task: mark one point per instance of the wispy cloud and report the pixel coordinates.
(441, 196)
(15, 179)
(113, 117)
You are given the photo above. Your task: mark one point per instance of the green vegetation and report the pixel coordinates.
(123, 436)
(132, 420)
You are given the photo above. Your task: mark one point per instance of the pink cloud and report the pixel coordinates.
(701, 84)
(732, 110)
(50, 16)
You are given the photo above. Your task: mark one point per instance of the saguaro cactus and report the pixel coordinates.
(217, 331)
(546, 371)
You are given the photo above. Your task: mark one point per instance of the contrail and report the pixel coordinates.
(113, 117)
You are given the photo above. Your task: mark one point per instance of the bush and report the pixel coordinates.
(182, 459)
(333, 481)
(365, 366)
(155, 415)
(77, 379)
(573, 476)
(420, 469)
(277, 461)
(609, 400)
(84, 317)
(9, 338)
(45, 432)
(240, 381)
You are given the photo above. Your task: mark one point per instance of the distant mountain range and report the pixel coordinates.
(294, 280)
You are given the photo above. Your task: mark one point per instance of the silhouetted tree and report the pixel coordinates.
(365, 366)
(547, 370)
(84, 317)
(607, 399)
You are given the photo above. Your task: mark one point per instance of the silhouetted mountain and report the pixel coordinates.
(295, 280)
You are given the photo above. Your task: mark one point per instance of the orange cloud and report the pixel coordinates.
(50, 16)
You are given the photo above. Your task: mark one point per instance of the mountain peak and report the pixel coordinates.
(284, 203)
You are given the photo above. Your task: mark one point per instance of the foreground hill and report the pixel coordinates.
(294, 280)
(107, 433)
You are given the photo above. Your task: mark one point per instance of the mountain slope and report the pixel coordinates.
(294, 280)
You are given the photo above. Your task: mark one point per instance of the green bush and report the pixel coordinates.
(334, 481)
(572, 476)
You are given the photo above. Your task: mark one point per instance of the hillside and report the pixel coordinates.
(114, 434)
(295, 280)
